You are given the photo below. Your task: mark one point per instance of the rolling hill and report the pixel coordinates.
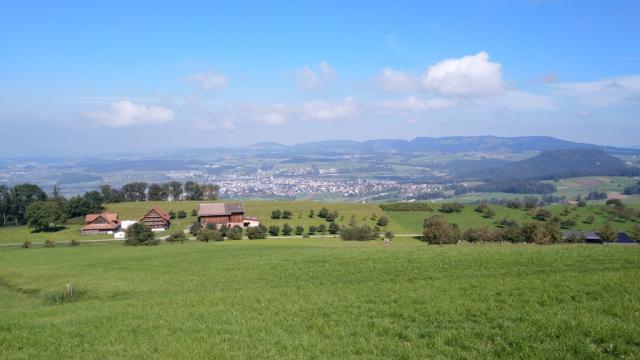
(555, 164)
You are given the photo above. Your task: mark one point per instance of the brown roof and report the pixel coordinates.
(220, 209)
(160, 212)
(109, 216)
(110, 221)
(103, 226)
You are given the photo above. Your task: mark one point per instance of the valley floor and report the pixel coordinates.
(321, 298)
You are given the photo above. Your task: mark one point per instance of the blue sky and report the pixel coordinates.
(77, 77)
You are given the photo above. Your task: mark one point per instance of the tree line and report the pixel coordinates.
(28, 204)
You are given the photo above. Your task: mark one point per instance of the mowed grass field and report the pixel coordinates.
(321, 298)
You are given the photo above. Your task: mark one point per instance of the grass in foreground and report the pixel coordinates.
(322, 298)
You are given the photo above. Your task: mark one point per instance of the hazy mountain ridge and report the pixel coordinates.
(449, 144)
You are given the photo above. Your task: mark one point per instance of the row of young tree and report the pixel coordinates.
(324, 213)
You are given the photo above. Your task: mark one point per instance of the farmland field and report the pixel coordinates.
(321, 298)
(400, 222)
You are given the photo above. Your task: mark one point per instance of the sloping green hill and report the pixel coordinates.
(556, 164)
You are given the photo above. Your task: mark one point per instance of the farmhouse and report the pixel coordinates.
(104, 223)
(157, 219)
(229, 214)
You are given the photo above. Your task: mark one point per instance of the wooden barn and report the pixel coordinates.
(104, 223)
(229, 214)
(157, 219)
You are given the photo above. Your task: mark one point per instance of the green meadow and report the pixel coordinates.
(407, 223)
(321, 298)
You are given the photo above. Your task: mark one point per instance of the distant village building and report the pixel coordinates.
(229, 214)
(156, 219)
(104, 223)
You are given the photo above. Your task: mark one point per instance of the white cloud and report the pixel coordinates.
(322, 110)
(395, 81)
(609, 92)
(472, 75)
(125, 113)
(209, 81)
(412, 103)
(274, 115)
(314, 78)
(518, 100)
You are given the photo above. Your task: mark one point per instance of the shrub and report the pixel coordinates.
(607, 233)
(481, 207)
(311, 213)
(383, 221)
(506, 223)
(323, 213)
(451, 207)
(194, 212)
(437, 230)
(26, 244)
(488, 213)
(212, 226)
(514, 204)
(139, 234)
(74, 243)
(567, 224)
(312, 230)
(49, 243)
(590, 219)
(389, 235)
(255, 233)
(359, 233)
(172, 214)
(334, 228)
(542, 215)
(178, 236)
(286, 230)
(195, 228)
(235, 233)
(287, 214)
(276, 214)
(224, 230)
(332, 216)
(322, 228)
(182, 214)
(299, 230)
(204, 235)
(274, 230)
(482, 234)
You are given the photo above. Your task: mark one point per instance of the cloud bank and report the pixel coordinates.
(126, 113)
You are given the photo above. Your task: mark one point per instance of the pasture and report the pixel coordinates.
(400, 222)
(321, 298)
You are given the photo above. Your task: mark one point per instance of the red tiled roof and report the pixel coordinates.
(160, 212)
(109, 216)
(110, 221)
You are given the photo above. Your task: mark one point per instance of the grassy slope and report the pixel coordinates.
(401, 222)
(569, 188)
(322, 298)
(468, 218)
